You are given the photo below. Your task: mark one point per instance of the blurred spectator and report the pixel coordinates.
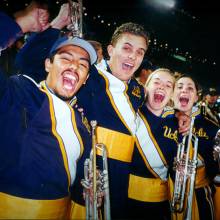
(98, 47)
(144, 71)
(209, 105)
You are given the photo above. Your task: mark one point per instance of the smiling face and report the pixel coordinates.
(185, 95)
(68, 71)
(160, 89)
(126, 55)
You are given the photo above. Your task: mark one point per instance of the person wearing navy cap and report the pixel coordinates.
(212, 108)
(42, 135)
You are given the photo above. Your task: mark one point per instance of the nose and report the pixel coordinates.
(73, 64)
(132, 55)
(184, 90)
(161, 85)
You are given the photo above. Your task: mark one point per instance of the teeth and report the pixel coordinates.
(67, 87)
(131, 65)
(71, 77)
(160, 93)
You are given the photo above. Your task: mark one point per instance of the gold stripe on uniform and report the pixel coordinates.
(73, 118)
(119, 146)
(114, 105)
(201, 178)
(77, 211)
(147, 189)
(55, 133)
(12, 207)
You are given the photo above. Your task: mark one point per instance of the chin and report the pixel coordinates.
(64, 97)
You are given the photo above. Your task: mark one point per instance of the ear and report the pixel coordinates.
(196, 98)
(47, 65)
(110, 50)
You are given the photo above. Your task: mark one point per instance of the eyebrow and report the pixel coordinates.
(188, 84)
(132, 46)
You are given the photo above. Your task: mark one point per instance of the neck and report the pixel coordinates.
(156, 112)
(67, 100)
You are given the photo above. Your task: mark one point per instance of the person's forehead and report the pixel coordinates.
(72, 49)
(133, 40)
(186, 81)
(163, 75)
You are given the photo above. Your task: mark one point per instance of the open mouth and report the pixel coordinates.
(184, 101)
(158, 97)
(70, 80)
(127, 66)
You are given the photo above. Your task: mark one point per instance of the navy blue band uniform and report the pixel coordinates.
(113, 104)
(153, 158)
(207, 168)
(42, 138)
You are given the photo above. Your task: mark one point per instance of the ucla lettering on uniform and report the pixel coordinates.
(136, 92)
(169, 134)
(200, 133)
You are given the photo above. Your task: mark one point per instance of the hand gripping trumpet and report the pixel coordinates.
(76, 16)
(216, 148)
(95, 182)
(185, 165)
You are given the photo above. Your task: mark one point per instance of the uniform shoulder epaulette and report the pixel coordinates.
(196, 111)
(140, 83)
(167, 111)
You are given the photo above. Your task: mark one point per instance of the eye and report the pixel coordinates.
(65, 57)
(191, 89)
(84, 65)
(140, 53)
(156, 83)
(127, 48)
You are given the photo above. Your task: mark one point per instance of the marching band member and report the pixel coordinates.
(156, 147)
(42, 136)
(112, 97)
(185, 96)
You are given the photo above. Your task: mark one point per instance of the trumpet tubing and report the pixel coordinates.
(216, 148)
(185, 167)
(76, 14)
(99, 181)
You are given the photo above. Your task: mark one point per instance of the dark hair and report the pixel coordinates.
(95, 44)
(131, 28)
(198, 87)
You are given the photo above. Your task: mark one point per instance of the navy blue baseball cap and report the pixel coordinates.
(75, 41)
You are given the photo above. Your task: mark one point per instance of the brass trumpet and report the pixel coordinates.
(216, 148)
(96, 182)
(76, 13)
(185, 167)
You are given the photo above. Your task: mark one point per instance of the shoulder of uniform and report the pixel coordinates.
(140, 83)
(168, 111)
(196, 111)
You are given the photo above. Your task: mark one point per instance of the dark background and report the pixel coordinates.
(189, 30)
